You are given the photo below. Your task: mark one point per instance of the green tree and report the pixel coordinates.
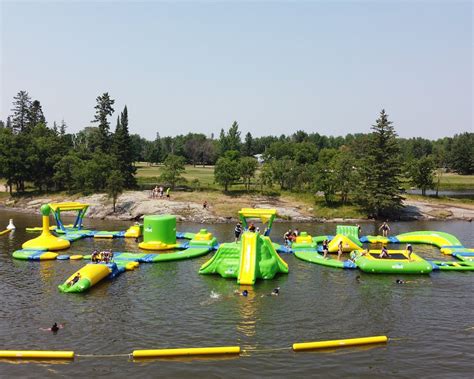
(21, 111)
(103, 110)
(173, 167)
(343, 165)
(35, 115)
(247, 147)
(231, 140)
(226, 170)
(461, 158)
(122, 148)
(115, 186)
(66, 172)
(247, 168)
(379, 184)
(324, 175)
(421, 173)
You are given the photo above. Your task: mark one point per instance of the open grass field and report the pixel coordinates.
(150, 175)
(450, 181)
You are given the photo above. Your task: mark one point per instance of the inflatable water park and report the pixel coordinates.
(252, 256)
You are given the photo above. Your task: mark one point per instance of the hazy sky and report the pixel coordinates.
(275, 67)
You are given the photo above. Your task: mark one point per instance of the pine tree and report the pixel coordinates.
(123, 149)
(62, 128)
(247, 148)
(21, 111)
(103, 110)
(233, 137)
(379, 186)
(35, 115)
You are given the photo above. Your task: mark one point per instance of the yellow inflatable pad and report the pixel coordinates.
(76, 257)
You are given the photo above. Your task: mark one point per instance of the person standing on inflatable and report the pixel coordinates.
(385, 229)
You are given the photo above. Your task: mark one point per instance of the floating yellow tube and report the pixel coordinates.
(186, 351)
(339, 343)
(36, 354)
(76, 257)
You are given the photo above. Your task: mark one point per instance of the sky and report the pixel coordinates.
(274, 67)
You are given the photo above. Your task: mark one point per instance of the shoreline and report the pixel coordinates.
(132, 205)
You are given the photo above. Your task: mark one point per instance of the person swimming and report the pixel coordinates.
(54, 328)
(243, 293)
(358, 279)
(275, 292)
(400, 281)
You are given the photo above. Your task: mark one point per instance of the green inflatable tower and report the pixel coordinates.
(159, 228)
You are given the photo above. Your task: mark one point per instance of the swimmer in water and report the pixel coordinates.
(400, 281)
(275, 292)
(244, 293)
(358, 279)
(54, 328)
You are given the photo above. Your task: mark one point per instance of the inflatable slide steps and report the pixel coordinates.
(225, 261)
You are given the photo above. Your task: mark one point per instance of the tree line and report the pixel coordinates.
(366, 169)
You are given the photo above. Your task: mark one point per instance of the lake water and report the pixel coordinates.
(431, 319)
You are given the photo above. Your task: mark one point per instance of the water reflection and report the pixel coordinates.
(247, 307)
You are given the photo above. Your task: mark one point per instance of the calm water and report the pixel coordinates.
(170, 305)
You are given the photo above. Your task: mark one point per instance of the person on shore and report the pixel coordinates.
(339, 250)
(384, 253)
(160, 191)
(409, 249)
(385, 229)
(204, 205)
(168, 192)
(325, 248)
(237, 231)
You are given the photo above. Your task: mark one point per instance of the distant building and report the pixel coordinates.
(259, 158)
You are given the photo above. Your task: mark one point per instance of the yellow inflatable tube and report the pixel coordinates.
(93, 272)
(157, 245)
(186, 351)
(339, 343)
(37, 354)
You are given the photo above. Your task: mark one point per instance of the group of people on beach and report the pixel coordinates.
(105, 256)
(159, 192)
